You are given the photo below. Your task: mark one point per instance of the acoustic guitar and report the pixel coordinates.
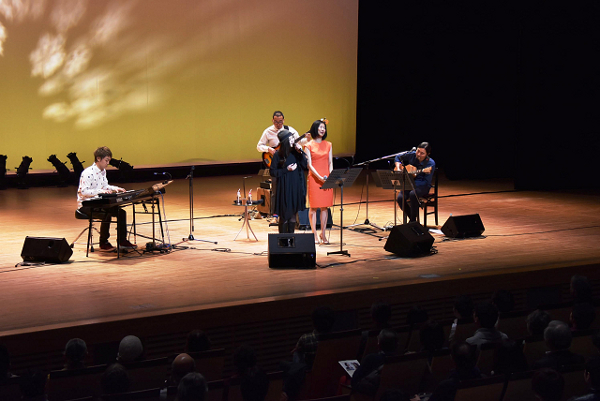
(267, 157)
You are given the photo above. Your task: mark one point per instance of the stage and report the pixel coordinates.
(524, 232)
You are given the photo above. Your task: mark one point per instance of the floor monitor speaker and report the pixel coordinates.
(292, 251)
(410, 239)
(469, 225)
(51, 250)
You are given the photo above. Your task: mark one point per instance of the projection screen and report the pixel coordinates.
(172, 82)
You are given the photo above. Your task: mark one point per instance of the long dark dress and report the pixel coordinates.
(291, 185)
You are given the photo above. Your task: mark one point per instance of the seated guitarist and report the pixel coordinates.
(421, 166)
(269, 143)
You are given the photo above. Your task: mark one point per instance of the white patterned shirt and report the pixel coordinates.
(91, 183)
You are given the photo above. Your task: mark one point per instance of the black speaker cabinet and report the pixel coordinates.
(292, 251)
(410, 239)
(51, 250)
(469, 225)
(304, 220)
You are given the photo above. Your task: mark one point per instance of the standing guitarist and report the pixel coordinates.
(421, 166)
(269, 143)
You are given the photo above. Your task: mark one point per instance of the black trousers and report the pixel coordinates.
(287, 226)
(411, 202)
(106, 216)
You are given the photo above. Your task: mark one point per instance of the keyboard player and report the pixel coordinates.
(92, 183)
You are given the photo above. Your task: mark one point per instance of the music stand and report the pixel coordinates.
(393, 180)
(367, 222)
(340, 178)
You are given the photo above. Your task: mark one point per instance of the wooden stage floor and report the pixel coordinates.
(524, 231)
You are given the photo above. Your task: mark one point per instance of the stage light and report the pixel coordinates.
(22, 171)
(3, 171)
(64, 174)
(125, 169)
(77, 165)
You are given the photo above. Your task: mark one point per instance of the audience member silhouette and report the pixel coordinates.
(197, 341)
(130, 350)
(463, 309)
(592, 379)
(254, 384)
(323, 319)
(244, 358)
(581, 289)
(582, 316)
(504, 301)
(558, 340)
(537, 321)
(33, 386)
(465, 359)
(548, 385)
(5, 373)
(432, 336)
(486, 315)
(75, 354)
(181, 366)
(192, 387)
(115, 379)
(366, 378)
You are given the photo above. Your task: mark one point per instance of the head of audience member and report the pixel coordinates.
(464, 356)
(4, 363)
(181, 366)
(486, 314)
(509, 358)
(393, 394)
(33, 386)
(254, 384)
(318, 129)
(192, 387)
(432, 336)
(244, 358)
(596, 340)
(463, 307)
(581, 289)
(416, 315)
(548, 385)
(583, 315)
(323, 319)
(557, 336)
(592, 372)
(197, 341)
(130, 350)
(381, 313)
(503, 300)
(75, 353)
(537, 321)
(115, 379)
(388, 341)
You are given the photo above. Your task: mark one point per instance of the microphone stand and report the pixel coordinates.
(190, 237)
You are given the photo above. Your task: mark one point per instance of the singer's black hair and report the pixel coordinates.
(426, 146)
(284, 151)
(314, 129)
(278, 114)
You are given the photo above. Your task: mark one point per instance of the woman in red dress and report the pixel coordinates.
(320, 164)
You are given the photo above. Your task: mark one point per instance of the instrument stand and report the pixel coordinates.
(190, 237)
(390, 180)
(341, 178)
(366, 222)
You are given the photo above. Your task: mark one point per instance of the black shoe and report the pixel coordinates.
(106, 247)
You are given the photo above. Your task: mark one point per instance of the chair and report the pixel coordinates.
(140, 395)
(324, 376)
(514, 324)
(486, 358)
(234, 392)
(534, 350)
(440, 366)
(10, 389)
(431, 200)
(89, 229)
(77, 383)
(405, 372)
(489, 388)
(582, 343)
(147, 374)
(465, 328)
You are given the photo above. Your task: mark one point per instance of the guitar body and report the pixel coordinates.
(267, 158)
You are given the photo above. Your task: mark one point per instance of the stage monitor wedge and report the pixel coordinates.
(410, 239)
(469, 225)
(49, 250)
(292, 251)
